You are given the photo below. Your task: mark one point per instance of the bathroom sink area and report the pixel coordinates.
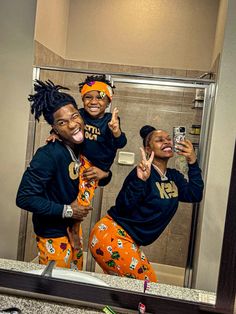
(72, 275)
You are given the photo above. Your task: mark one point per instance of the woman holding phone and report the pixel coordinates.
(144, 206)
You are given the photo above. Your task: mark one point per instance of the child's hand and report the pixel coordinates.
(53, 137)
(144, 167)
(94, 173)
(114, 124)
(186, 149)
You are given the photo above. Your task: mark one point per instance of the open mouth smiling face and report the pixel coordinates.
(161, 143)
(69, 124)
(95, 103)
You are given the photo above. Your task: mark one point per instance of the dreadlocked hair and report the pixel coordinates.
(98, 78)
(47, 99)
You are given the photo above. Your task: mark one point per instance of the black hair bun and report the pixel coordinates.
(145, 130)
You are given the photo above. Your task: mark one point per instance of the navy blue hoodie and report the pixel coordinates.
(100, 145)
(144, 208)
(46, 187)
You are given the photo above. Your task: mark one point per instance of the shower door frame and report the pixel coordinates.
(181, 82)
(203, 152)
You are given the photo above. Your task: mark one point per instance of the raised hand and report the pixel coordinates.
(114, 124)
(144, 167)
(186, 149)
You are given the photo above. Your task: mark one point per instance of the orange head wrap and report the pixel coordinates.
(99, 86)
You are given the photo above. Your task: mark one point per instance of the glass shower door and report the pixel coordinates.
(163, 107)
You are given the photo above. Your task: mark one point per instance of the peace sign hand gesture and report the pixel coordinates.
(114, 124)
(144, 167)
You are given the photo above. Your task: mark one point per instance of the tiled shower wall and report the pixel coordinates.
(137, 107)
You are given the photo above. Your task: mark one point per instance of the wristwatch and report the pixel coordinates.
(67, 211)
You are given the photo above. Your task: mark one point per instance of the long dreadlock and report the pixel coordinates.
(47, 99)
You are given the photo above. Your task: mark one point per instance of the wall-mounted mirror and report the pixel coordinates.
(141, 99)
(216, 187)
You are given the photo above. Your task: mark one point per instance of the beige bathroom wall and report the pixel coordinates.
(16, 58)
(169, 34)
(51, 24)
(220, 28)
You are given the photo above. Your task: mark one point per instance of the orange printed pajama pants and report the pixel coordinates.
(116, 252)
(67, 251)
(61, 251)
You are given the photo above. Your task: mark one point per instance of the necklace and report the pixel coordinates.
(162, 175)
(77, 163)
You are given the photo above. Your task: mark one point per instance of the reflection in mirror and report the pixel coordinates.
(141, 102)
(44, 58)
(176, 303)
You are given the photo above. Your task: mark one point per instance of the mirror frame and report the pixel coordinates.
(225, 295)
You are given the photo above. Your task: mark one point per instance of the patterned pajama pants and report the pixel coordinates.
(67, 251)
(61, 251)
(116, 252)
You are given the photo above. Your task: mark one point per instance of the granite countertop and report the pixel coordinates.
(113, 281)
(34, 306)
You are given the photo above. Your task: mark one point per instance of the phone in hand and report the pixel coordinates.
(179, 133)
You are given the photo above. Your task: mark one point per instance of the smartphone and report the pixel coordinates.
(179, 133)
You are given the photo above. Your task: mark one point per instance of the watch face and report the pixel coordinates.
(69, 212)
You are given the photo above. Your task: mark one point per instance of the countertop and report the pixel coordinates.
(42, 306)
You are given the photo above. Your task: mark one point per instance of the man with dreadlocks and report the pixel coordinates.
(49, 186)
(103, 135)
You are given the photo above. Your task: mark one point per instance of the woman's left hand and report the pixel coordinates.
(94, 173)
(186, 149)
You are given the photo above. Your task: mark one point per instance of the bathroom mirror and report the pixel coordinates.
(141, 88)
(162, 101)
(226, 290)
(32, 285)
